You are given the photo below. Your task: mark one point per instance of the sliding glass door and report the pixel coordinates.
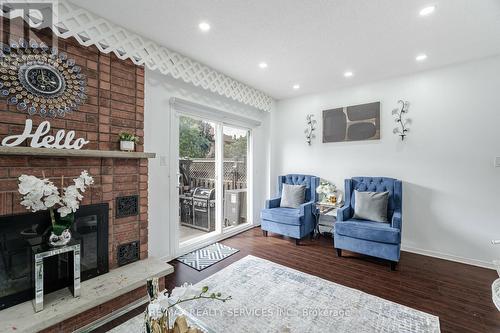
(235, 187)
(197, 178)
(206, 149)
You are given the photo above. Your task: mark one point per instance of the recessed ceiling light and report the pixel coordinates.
(296, 86)
(348, 74)
(421, 57)
(204, 26)
(263, 65)
(427, 10)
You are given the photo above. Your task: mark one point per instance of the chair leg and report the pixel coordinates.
(393, 265)
(264, 233)
(339, 252)
(297, 241)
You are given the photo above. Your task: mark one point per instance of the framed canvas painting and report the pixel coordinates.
(352, 123)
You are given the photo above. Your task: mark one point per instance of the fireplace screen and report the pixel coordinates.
(19, 233)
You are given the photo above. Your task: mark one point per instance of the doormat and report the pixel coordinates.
(207, 256)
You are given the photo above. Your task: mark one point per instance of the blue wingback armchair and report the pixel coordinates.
(292, 222)
(382, 240)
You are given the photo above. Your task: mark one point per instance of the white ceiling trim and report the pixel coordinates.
(90, 29)
(204, 111)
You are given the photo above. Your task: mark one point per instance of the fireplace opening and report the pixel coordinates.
(19, 233)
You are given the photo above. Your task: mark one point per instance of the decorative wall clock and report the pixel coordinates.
(40, 80)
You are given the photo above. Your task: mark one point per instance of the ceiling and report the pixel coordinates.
(313, 42)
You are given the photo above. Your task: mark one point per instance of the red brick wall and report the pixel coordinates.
(115, 103)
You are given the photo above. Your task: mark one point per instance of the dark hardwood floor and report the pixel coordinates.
(459, 294)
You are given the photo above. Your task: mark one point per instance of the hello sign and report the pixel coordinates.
(40, 139)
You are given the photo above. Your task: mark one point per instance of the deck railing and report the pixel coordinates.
(201, 173)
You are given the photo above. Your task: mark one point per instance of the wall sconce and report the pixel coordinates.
(399, 118)
(310, 128)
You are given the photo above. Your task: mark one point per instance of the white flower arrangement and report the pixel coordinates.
(38, 194)
(42, 194)
(325, 189)
(184, 291)
(157, 314)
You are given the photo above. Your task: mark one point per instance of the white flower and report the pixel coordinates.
(325, 188)
(33, 204)
(183, 292)
(80, 184)
(163, 300)
(28, 184)
(49, 188)
(72, 197)
(41, 194)
(70, 200)
(83, 181)
(36, 192)
(63, 211)
(52, 200)
(155, 310)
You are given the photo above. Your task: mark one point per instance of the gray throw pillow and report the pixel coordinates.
(371, 206)
(292, 196)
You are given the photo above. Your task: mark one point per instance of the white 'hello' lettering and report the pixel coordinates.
(40, 139)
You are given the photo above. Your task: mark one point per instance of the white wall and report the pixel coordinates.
(451, 190)
(158, 91)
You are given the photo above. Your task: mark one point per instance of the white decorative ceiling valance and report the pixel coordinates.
(90, 29)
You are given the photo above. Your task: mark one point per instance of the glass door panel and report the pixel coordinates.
(197, 179)
(235, 189)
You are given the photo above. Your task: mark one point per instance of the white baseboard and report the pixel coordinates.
(450, 257)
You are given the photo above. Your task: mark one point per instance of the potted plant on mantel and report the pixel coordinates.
(41, 194)
(128, 141)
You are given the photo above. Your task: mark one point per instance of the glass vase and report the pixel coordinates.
(60, 234)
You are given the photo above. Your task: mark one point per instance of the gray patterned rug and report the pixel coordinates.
(207, 256)
(268, 297)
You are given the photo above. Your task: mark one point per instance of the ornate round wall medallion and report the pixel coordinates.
(40, 80)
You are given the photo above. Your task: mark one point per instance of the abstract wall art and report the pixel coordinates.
(352, 123)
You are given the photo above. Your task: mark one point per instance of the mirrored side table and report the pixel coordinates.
(41, 252)
(326, 216)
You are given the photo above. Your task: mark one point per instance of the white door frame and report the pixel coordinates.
(180, 107)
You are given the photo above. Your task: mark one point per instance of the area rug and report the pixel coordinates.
(267, 297)
(207, 256)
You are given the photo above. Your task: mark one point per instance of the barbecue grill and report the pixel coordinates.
(198, 210)
(204, 208)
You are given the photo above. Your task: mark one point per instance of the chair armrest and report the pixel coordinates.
(307, 208)
(273, 203)
(344, 213)
(396, 220)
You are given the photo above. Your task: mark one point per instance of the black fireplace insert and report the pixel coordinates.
(19, 233)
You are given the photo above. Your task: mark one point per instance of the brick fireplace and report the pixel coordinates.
(115, 103)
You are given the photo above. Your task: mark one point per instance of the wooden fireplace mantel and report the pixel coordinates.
(48, 152)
